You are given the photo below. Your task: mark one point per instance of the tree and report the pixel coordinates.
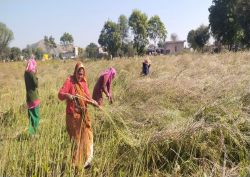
(202, 36)
(46, 41)
(123, 26)
(156, 29)
(191, 39)
(50, 43)
(129, 50)
(92, 50)
(223, 22)
(80, 52)
(110, 38)
(38, 53)
(160, 44)
(66, 39)
(174, 37)
(243, 17)
(6, 36)
(26, 52)
(124, 29)
(5, 55)
(198, 38)
(15, 53)
(138, 23)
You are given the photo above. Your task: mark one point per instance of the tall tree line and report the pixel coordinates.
(6, 36)
(130, 36)
(230, 22)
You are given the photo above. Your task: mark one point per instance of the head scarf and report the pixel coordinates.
(111, 72)
(77, 68)
(148, 61)
(31, 65)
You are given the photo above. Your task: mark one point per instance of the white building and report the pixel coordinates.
(172, 47)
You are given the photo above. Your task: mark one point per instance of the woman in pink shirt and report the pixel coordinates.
(104, 84)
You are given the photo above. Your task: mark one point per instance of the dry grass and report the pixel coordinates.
(189, 117)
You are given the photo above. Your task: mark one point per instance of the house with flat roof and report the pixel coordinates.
(172, 47)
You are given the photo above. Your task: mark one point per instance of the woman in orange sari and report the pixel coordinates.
(76, 93)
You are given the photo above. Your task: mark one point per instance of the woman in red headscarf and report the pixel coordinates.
(103, 84)
(76, 93)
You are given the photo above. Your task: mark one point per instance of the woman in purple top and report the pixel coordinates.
(104, 85)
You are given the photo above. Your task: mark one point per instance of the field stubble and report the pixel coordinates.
(189, 117)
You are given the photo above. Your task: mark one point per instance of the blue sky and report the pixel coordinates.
(31, 20)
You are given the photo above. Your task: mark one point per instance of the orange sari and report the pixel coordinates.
(78, 125)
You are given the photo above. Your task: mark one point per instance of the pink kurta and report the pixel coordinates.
(102, 84)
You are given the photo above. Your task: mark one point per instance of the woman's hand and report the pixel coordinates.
(110, 99)
(69, 96)
(95, 103)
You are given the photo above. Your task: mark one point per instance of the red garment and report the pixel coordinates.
(33, 104)
(69, 87)
(78, 122)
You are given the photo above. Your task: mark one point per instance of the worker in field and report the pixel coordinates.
(76, 93)
(145, 66)
(32, 98)
(104, 85)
